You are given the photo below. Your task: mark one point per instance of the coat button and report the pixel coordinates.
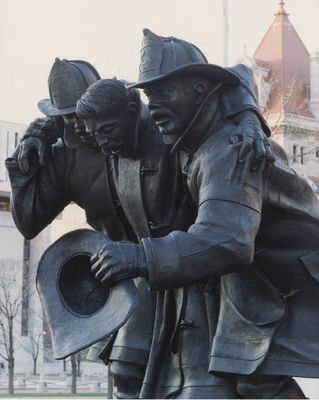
(153, 226)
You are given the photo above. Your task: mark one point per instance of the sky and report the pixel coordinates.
(108, 34)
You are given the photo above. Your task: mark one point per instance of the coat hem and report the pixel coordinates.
(233, 366)
(290, 368)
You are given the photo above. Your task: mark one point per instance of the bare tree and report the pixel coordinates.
(76, 360)
(32, 346)
(11, 298)
(71, 362)
(32, 342)
(80, 356)
(74, 370)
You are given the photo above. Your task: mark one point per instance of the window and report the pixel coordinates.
(7, 146)
(7, 154)
(5, 204)
(16, 139)
(294, 153)
(308, 92)
(302, 155)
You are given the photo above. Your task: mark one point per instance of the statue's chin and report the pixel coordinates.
(170, 139)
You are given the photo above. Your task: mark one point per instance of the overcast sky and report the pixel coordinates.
(108, 34)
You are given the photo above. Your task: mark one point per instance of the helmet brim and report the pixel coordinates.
(211, 72)
(46, 107)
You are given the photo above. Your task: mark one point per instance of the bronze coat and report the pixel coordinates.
(148, 186)
(259, 230)
(82, 175)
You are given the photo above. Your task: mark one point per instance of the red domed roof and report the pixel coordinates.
(288, 60)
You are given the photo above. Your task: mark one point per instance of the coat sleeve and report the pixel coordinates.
(36, 198)
(221, 240)
(244, 97)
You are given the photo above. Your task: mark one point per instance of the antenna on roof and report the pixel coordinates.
(281, 10)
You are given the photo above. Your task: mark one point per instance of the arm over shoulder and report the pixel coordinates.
(229, 200)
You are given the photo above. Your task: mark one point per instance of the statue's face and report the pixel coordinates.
(112, 131)
(76, 125)
(172, 106)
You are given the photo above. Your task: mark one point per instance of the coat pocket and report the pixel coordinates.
(311, 262)
(253, 297)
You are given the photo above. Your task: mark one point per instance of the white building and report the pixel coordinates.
(288, 81)
(14, 248)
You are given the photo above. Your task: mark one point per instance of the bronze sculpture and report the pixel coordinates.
(79, 173)
(105, 212)
(104, 119)
(256, 226)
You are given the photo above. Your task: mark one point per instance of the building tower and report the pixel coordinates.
(288, 81)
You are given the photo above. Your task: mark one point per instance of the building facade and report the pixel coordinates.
(15, 251)
(24, 255)
(287, 77)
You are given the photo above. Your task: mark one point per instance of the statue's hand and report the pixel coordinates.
(43, 128)
(116, 261)
(36, 142)
(29, 151)
(253, 138)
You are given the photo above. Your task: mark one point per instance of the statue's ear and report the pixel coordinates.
(131, 109)
(200, 91)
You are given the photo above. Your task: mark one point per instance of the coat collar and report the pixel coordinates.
(206, 119)
(135, 145)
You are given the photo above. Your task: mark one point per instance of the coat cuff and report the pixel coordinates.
(162, 257)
